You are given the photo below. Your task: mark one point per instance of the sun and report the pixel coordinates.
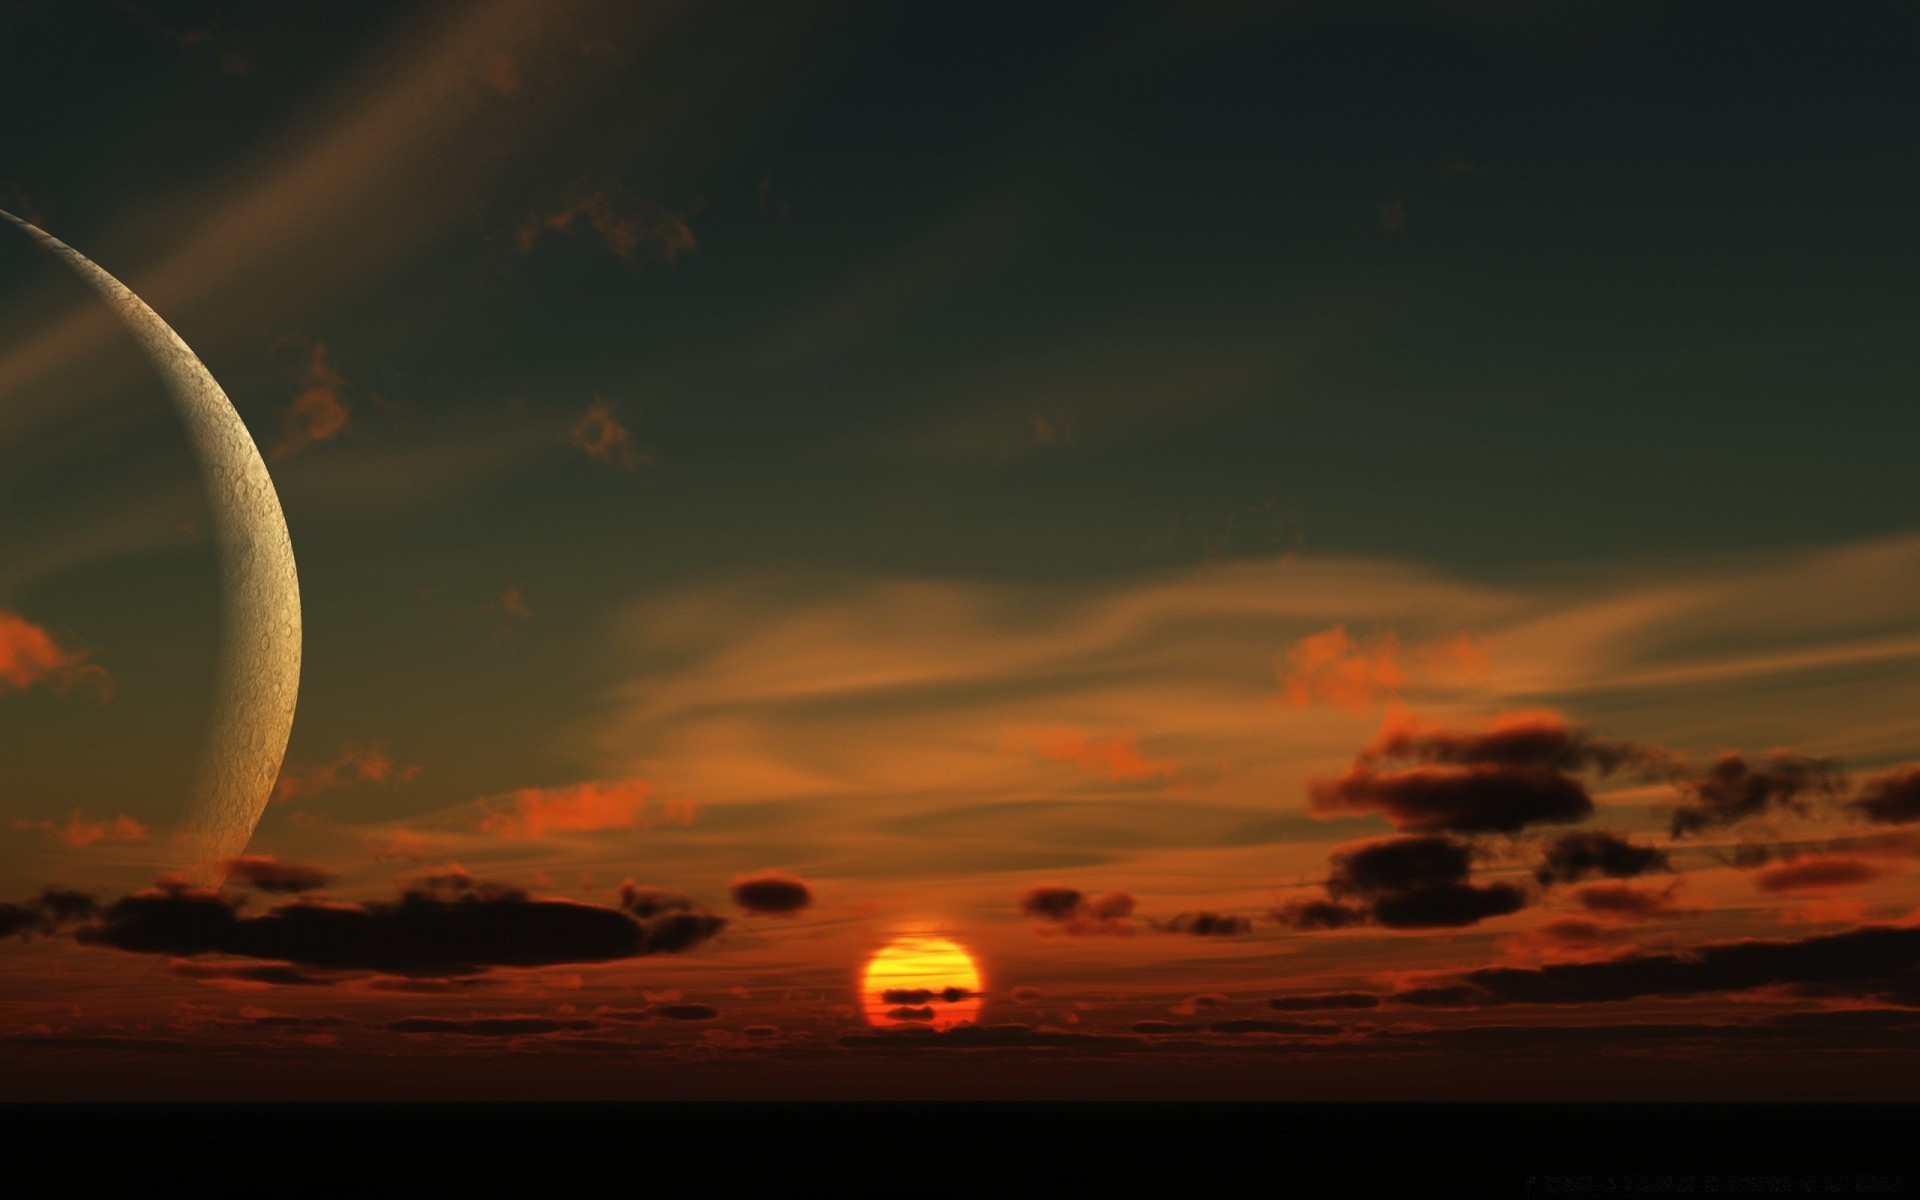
(921, 979)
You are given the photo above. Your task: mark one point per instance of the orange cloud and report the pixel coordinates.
(625, 225)
(1331, 667)
(513, 602)
(604, 438)
(595, 807)
(30, 656)
(319, 413)
(503, 75)
(77, 831)
(1117, 758)
(354, 764)
(1819, 873)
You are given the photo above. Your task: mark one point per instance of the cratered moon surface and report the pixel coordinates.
(258, 674)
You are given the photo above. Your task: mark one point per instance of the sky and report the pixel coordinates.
(974, 551)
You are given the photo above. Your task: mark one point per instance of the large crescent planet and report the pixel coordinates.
(258, 675)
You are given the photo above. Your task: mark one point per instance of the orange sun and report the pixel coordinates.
(921, 979)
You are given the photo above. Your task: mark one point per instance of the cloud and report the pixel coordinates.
(1115, 758)
(1394, 864)
(442, 925)
(1308, 915)
(319, 412)
(686, 1012)
(1625, 901)
(1734, 789)
(908, 1013)
(1448, 905)
(1332, 668)
(262, 975)
(353, 764)
(600, 434)
(53, 909)
(779, 895)
(1316, 1001)
(1892, 797)
(1476, 799)
(492, 1026)
(1210, 924)
(1871, 960)
(78, 832)
(1242, 1025)
(31, 657)
(950, 995)
(625, 224)
(264, 873)
(531, 814)
(1404, 883)
(1502, 778)
(1151, 1027)
(1583, 855)
(1569, 935)
(513, 603)
(1393, 214)
(1075, 912)
(1818, 874)
(1520, 739)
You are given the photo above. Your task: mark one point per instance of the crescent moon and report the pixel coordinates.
(257, 678)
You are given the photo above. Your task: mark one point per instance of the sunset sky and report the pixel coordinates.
(1298, 550)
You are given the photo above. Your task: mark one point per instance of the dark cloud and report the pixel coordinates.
(1626, 900)
(277, 974)
(1405, 883)
(1456, 799)
(1210, 924)
(649, 902)
(1871, 960)
(952, 995)
(1733, 789)
(1318, 1001)
(1585, 854)
(47, 913)
(1448, 905)
(1891, 798)
(265, 873)
(1818, 874)
(491, 1026)
(1267, 1025)
(1078, 912)
(686, 1012)
(1394, 864)
(1516, 740)
(290, 1021)
(1307, 915)
(775, 895)
(1048, 902)
(906, 1013)
(1161, 1027)
(443, 925)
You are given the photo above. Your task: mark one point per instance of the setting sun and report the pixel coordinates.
(921, 979)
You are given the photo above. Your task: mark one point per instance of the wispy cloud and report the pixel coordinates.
(353, 764)
(600, 806)
(78, 831)
(320, 411)
(628, 226)
(601, 435)
(30, 656)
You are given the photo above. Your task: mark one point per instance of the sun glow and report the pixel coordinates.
(924, 980)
